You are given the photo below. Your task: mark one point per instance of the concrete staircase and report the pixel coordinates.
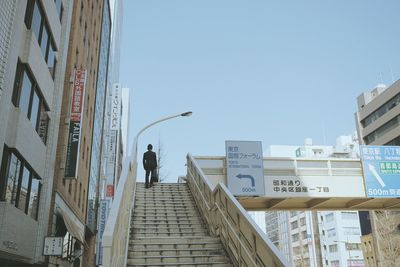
(167, 230)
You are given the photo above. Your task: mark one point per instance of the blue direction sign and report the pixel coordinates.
(381, 168)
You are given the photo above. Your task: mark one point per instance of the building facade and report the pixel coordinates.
(33, 51)
(309, 238)
(75, 190)
(378, 123)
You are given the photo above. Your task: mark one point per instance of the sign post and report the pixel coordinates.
(245, 170)
(381, 169)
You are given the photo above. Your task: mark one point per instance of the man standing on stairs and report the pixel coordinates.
(150, 165)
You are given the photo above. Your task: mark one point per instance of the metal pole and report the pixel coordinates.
(185, 114)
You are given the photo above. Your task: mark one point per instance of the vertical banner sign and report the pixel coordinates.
(103, 214)
(381, 169)
(115, 108)
(75, 127)
(244, 166)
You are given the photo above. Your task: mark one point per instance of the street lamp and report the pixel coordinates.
(184, 114)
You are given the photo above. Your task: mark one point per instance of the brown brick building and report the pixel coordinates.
(75, 196)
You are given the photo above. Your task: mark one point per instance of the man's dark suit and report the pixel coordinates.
(150, 165)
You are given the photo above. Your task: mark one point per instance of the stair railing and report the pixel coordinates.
(244, 242)
(116, 234)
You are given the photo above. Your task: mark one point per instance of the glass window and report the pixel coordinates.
(295, 237)
(25, 96)
(24, 189)
(36, 21)
(44, 123)
(331, 232)
(329, 217)
(35, 109)
(14, 168)
(294, 225)
(302, 221)
(351, 231)
(44, 41)
(51, 60)
(59, 8)
(348, 215)
(304, 235)
(34, 198)
(333, 248)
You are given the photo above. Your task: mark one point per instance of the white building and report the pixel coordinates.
(33, 51)
(317, 238)
(112, 151)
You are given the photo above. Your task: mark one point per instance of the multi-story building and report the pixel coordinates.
(317, 238)
(378, 123)
(33, 52)
(75, 190)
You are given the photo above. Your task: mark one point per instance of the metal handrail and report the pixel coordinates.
(244, 242)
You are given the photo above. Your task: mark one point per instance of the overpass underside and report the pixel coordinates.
(305, 184)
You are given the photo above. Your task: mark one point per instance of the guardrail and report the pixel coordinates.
(116, 234)
(245, 243)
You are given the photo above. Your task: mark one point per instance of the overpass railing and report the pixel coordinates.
(116, 234)
(245, 243)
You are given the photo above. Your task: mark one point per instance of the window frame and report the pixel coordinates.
(44, 26)
(23, 69)
(8, 153)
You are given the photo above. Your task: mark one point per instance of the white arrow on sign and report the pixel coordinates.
(375, 173)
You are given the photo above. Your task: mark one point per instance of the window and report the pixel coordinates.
(295, 237)
(388, 126)
(329, 217)
(304, 235)
(349, 215)
(293, 213)
(302, 221)
(331, 232)
(353, 246)
(393, 102)
(19, 185)
(51, 60)
(351, 231)
(60, 8)
(335, 263)
(26, 96)
(36, 21)
(333, 248)
(294, 225)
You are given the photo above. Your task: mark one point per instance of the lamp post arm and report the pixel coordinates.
(156, 122)
(185, 114)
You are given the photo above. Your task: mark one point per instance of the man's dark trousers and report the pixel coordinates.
(150, 165)
(151, 174)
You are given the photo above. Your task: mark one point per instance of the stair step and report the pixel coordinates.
(168, 216)
(175, 252)
(186, 240)
(214, 264)
(167, 230)
(177, 259)
(169, 234)
(166, 225)
(166, 221)
(163, 247)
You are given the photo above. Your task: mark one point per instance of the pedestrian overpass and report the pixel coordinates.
(290, 184)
